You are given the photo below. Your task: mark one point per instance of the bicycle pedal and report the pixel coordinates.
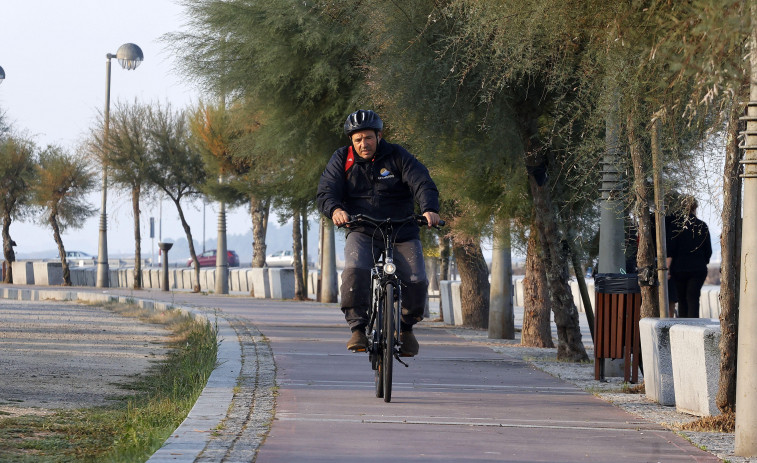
(358, 350)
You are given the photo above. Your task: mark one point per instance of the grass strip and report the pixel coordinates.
(135, 425)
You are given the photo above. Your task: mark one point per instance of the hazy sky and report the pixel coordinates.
(53, 53)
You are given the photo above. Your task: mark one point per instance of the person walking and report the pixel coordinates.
(689, 252)
(374, 177)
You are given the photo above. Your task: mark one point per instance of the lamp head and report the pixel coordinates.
(2, 75)
(129, 56)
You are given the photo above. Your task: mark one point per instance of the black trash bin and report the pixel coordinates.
(616, 323)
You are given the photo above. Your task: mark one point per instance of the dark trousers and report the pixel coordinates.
(689, 286)
(360, 250)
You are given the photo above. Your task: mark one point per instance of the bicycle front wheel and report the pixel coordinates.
(388, 344)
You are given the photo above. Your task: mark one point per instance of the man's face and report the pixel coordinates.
(365, 143)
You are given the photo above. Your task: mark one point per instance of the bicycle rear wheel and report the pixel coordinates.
(388, 342)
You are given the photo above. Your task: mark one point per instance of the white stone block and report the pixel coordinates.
(445, 299)
(519, 294)
(457, 305)
(695, 354)
(281, 282)
(23, 272)
(91, 276)
(260, 285)
(234, 279)
(129, 277)
(209, 282)
(48, 273)
(244, 280)
(156, 278)
(655, 353)
(146, 281)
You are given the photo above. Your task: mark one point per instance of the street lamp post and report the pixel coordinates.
(129, 56)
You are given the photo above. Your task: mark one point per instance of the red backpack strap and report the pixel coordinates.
(350, 159)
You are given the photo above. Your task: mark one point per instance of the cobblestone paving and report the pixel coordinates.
(251, 411)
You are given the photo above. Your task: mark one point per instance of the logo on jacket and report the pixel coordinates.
(385, 173)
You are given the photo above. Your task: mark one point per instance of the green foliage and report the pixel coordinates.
(127, 149)
(62, 184)
(17, 168)
(175, 166)
(214, 130)
(290, 64)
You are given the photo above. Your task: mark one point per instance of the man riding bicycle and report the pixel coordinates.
(373, 177)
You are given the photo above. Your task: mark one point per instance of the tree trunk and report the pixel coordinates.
(444, 251)
(135, 193)
(192, 252)
(569, 344)
(305, 228)
(53, 219)
(537, 329)
(296, 251)
(8, 253)
(474, 284)
(259, 213)
(645, 257)
(501, 316)
(730, 245)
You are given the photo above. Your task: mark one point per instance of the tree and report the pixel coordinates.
(128, 159)
(175, 168)
(298, 71)
(536, 330)
(60, 188)
(730, 245)
(17, 167)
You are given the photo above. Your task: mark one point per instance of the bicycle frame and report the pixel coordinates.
(384, 327)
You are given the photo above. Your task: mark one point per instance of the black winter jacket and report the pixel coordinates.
(689, 245)
(385, 187)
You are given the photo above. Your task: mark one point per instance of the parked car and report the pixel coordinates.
(80, 258)
(280, 259)
(78, 255)
(208, 259)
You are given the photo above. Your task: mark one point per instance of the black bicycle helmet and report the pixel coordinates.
(362, 119)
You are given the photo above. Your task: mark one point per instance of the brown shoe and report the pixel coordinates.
(358, 341)
(409, 345)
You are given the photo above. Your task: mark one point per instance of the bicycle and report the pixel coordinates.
(384, 329)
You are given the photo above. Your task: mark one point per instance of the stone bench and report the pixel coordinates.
(695, 354)
(655, 353)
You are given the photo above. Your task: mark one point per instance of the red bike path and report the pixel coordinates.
(456, 402)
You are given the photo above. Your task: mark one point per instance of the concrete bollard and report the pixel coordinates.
(281, 282)
(457, 304)
(695, 354)
(48, 273)
(23, 272)
(445, 299)
(655, 352)
(260, 285)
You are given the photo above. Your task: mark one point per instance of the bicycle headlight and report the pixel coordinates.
(390, 268)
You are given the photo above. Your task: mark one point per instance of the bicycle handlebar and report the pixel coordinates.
(419, 219)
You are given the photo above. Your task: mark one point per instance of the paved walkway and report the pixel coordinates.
(288, 391)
